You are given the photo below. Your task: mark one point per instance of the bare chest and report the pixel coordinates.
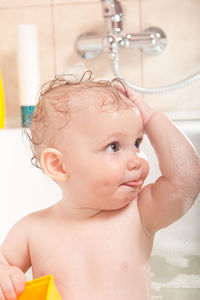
(100, 255)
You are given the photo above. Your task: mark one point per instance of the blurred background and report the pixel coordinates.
(176, 255)
(60, 22)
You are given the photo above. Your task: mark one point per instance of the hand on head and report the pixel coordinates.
(145, 109)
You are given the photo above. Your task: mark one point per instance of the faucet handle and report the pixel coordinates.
(111, 8)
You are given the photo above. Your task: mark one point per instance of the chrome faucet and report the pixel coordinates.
(89, 45)
(113, 14)
(152, 41)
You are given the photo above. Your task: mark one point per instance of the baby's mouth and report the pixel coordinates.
(133, 183)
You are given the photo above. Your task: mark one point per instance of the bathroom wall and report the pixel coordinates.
(59, 23)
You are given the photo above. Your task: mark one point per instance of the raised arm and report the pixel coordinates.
(172, 195)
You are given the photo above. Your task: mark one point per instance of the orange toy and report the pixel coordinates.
(40, 289)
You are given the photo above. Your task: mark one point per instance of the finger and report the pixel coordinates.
(18, 280)
(125, 91)
(8, 290)
(119, 86)
(2, 295)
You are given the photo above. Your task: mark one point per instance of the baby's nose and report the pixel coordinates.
(133, 161)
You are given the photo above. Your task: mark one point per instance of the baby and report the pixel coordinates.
(97, 239)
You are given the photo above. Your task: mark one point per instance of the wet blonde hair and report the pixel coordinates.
(64, 94)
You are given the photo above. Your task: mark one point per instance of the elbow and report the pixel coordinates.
(189, 188)
(186, 184)
(187, 175)
(195, 176)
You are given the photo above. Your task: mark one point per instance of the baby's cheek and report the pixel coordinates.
(111, 175)
(111, 181)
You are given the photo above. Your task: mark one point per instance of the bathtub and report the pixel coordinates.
(176, 252)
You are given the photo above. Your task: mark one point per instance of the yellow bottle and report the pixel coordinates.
(2, 105)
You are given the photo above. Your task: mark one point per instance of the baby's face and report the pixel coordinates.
(101, 153)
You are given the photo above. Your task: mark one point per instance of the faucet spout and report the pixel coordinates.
(111, 8)
(90, 44)
(113, 14)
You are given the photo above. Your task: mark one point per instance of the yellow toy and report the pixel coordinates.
(2, 105)
(40, 289)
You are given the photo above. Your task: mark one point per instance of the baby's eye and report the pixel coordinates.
(114, 147)
(138, 142)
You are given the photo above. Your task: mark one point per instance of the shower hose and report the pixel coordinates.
(155, 90)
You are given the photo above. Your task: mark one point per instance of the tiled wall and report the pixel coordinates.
(60, 22)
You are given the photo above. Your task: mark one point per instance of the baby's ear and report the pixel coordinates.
(53, 165)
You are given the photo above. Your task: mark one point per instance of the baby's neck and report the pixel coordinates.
(75, 213)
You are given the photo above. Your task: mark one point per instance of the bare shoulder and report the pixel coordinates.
(40, 215)
(23, 228)
(37, 217)
(16, 246)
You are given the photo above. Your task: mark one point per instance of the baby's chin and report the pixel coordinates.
(120, 204)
